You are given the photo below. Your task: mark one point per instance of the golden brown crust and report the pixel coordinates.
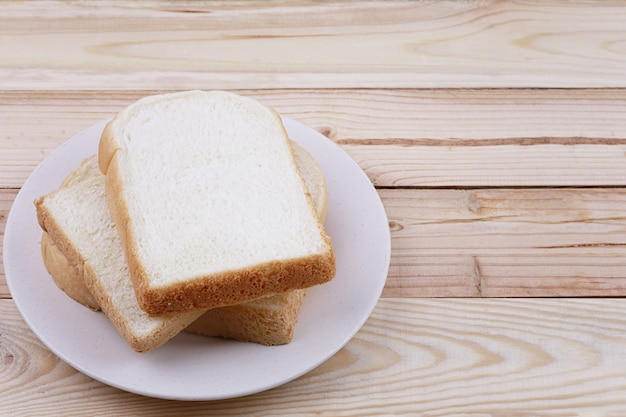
(119, 214)
(253, 321)
(107, 146)
(234, 288)
(56, 234)
(66, 276)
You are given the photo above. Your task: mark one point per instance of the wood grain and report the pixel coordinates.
(6, 200)
(431, 357)
(232, 45)
(506, 242)
(408, 138)
(497, 242)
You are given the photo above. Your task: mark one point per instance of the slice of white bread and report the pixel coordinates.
(269, 320)
(76, 218)
(209, 203)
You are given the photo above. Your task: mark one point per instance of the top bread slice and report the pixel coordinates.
(209, 203)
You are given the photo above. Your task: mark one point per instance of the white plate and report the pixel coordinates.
(191, 367)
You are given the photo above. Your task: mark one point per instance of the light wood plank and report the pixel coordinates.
(433, 357)
(507, 242)
(424, 138)
(429, 44)
(497, 243)
(493, 166)
(6, 200)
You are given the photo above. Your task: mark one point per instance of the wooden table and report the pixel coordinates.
(495, 133)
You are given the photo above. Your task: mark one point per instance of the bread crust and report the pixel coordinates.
(66, 276)
(253, 321)
(215, 290)
(56, 234)
(227, 289)
(107, 146)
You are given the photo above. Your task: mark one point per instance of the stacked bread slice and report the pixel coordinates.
(202, 215)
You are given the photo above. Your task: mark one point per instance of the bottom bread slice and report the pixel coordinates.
(269, 320)
(82, 256)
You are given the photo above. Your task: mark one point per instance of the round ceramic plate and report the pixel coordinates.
(191, 367)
